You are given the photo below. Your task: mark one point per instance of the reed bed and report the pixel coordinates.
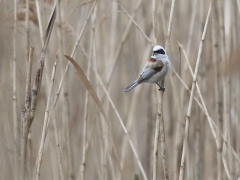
(63, 68)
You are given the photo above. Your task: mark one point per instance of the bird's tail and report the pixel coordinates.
(131, 86)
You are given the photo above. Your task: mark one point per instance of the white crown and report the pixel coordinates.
(156, 48)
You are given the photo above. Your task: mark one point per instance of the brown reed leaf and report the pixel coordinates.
(87, 84)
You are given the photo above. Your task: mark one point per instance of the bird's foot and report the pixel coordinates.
(161, 88)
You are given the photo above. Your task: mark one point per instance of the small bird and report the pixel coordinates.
(154, 71)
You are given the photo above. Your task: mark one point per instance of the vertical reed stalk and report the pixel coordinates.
(27, 27)
(159, 121)
(198, 149)
(26, 124)
(192, 22)
(25, 116)
(224, 157)
(154, 21)
(27, 55)
(14, 93)
(191, 98)
(179, 127)
(45, 123)
(238, 4)
(216, 87)
(213, 126)
(40, 21)
(59, 34)
(83, 164)
(157, 129)
(59, 157)
(225, 82)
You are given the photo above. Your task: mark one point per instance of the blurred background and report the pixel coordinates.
(114, 46)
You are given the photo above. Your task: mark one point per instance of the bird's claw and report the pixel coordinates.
(161, 88)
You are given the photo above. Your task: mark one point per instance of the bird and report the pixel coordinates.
(155, 69)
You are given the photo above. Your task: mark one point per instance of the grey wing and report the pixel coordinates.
(146, 73)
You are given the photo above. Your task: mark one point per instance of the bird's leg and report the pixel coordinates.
(160, 87)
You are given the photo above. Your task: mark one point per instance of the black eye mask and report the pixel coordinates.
(160, 51)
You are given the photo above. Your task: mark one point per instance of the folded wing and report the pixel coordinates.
(152, 67)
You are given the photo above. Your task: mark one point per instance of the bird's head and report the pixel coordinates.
(158, 50)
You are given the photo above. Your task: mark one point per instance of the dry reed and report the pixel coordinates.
(60, 129)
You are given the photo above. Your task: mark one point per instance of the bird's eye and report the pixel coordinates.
(160, 51)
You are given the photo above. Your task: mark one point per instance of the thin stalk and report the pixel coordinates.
(238, 4)
(66, 147)
(112, 172)
(213, 126)
(25, 118)
(130, 17)
(133, 103)
(216, 85)
(154, 21)
(27, 27)
(225, 80)
(59, 157)
(58, 150)
(27, 55)
(192, 21)
(40, 21)
(38, 79)
(72, 54)
(83, 164)
(14, 95)
(105, 128)
(122, 42)
(41, 31)
(124, 129)
(37, 85)
(167, 43)
(224, 157)
(155, 150)
(114, 31)
(230, 42)
(198, 149)
(163, 19)
(157, 128)
(45, 123)
(160, 122)
(202, 106)
(178, 93)
(120, 120)
(191, 98)
(238, 115)
(40, 24)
